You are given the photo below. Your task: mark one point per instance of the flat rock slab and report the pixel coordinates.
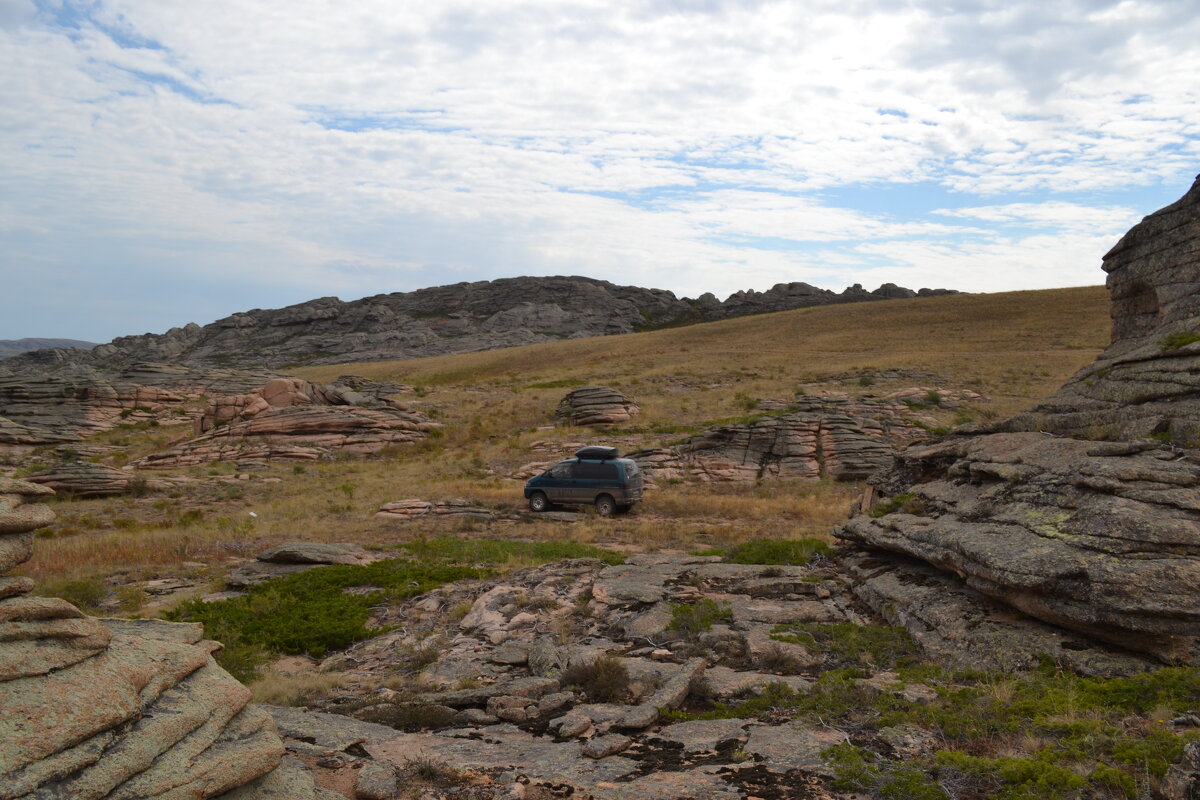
(697, 784)
(776, 612)
(704, 735)
(291, 780)
(724, 682)
(787, 747)
(330, 731)
(506, 749)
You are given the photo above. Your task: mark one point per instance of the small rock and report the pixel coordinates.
(475, 717)
(554, 702)
(604, 746)
(572, 724)
(377, 780)
(509, 654)
(509, 708)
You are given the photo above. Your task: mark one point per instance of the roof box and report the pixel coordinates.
(597, 452)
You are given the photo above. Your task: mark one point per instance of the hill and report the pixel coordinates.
(12, 347)
(459, 318)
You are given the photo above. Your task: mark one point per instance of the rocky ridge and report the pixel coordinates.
(11, 347)
(120, 708)
(1097, 537)
(442, 320)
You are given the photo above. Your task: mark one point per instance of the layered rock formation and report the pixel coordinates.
(843, 439)
(65, 403)
(594, 405)
(440, 320)
(86, 479)
(300, 433)
(114, 709)
(1099, 537)
(348, 390)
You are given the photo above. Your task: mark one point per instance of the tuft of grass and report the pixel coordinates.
(408, 715)
(605, 680)
(906, 502)
(882, 646)
(86, 594)
(305, 689)
(779, 551)
(1177, 340)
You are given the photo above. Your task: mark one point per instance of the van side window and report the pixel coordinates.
(595, 471)
(559, 471)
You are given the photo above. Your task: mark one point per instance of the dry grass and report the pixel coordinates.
(302, 689)
(1013, 347)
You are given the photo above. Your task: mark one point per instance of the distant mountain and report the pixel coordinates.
(442, 320)
(11, 347)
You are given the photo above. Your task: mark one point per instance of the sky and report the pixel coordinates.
(174, 161)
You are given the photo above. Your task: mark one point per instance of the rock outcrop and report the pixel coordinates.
(11, 347)
(112, 708)
(292, 419)
(594, 405)
(441, 320)
(86, 479)
(843, 439)
(1097, 537)
(59, 404)
(297, 433)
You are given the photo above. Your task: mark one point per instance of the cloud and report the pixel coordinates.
(308, 148)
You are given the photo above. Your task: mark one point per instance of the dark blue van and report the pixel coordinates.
(596, 477)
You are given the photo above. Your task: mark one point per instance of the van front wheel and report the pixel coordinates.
(538, 502)
(606, 506)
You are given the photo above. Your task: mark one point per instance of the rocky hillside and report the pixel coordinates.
(1085, 512)
(12, 347)
(440, 320)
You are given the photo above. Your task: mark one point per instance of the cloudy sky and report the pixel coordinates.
(167, 161)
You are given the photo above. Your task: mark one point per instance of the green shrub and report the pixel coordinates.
(779, 551)
(1018, 778)
(310, 612)
(693, 619)
(408, 716)
(859, 770)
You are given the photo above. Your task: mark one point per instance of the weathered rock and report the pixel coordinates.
(704, 736)
(1064, 530)
(318, 553)
(605, 746)
(671, 695)
(377, 780)
(793, 746)
(594, 405)
(131, 711)
(413, 509)
(955, 624)
(88, 480)
(1148, 381)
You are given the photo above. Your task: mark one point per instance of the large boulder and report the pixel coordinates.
(594, 405)
(1098, 537)
(107, 708)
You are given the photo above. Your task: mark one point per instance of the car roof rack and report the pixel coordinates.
(601, 453)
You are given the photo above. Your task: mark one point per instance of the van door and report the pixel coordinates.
(594, 480)
(558, 483)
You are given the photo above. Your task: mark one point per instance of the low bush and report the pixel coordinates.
(605, 680)
(310, 612)
(692, 619)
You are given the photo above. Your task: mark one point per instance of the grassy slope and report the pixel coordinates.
(1013, 347)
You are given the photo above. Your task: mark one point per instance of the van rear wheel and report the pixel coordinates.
(538, 502)
(606, 506)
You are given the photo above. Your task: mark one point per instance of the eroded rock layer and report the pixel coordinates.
(820, 440)
(112, 709)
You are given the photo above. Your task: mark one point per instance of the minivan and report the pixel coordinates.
(597, 476)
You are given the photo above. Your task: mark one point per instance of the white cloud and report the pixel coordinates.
(687, 144)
